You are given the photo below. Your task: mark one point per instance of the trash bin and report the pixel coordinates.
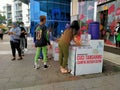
(94, 30)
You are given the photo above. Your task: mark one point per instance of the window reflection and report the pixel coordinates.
(57, 12)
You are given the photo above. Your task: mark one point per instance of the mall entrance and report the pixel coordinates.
(105, 31)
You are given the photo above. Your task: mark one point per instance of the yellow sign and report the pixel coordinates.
(105, 7)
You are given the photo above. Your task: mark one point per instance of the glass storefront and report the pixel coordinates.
(86, 10)
(85, 13)
(108, 15)
(57, 12)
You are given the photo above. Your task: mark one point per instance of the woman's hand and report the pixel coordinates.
(11, 33)
(23, 32)
(57, 40)
(77, 41)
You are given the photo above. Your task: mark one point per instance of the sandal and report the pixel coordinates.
(13, 59)
(69, 71)
(20, 58)
(65, 71)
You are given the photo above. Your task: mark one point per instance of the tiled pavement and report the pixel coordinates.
(100, 83)
(114, 58)
(16, 74)
(20, 75)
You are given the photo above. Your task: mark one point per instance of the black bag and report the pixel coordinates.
(40, 43)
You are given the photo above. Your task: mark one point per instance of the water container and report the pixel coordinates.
(94, 30)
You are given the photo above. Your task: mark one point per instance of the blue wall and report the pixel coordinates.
(57, 12)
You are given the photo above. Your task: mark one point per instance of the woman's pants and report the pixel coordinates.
(25, 42)
(41, 55)
(63, 54)
(1, 36)
(44, 52)
(22, 45)
(14, 46)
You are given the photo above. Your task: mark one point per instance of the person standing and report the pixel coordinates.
(117, 33)
(41, 55)
(41, 42)
(22, 38)
(14, 33)
(64, 42)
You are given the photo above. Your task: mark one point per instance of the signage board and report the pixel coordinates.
(86, 59)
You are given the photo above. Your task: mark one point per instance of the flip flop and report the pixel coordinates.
(64, 71)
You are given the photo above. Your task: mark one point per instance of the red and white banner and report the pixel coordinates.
(111, 9)
(82, 16)
(89, 59)
(90, 7)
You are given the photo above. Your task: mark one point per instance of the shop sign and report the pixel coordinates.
(118, 11)
(105, 7)
(102, 1)
(89, 59)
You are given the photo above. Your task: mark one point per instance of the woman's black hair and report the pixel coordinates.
(75, 25)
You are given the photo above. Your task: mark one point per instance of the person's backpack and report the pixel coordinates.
(41, 39)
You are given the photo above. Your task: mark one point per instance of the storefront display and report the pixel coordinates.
(118, 11)
(108, 13)
(86, 59)
(108, 18)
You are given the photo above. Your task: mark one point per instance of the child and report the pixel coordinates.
(41, 42)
